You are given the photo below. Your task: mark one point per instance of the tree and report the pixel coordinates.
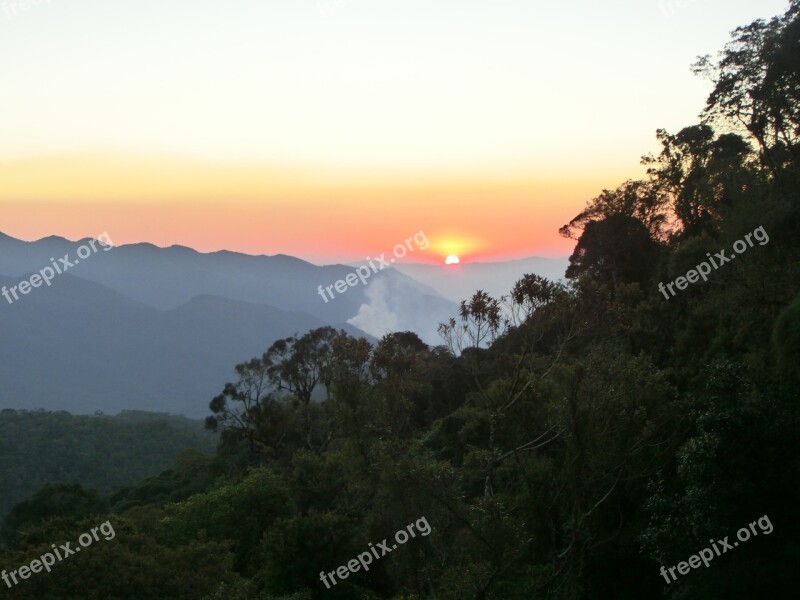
(700, 173)
(53, 501)
(240, 511)
(289, 371)
(615, 250)
(636, 199)
(298, 366)
(482, 322)
(757, 86)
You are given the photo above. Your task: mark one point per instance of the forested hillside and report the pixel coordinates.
(100, 452)
(569, 441)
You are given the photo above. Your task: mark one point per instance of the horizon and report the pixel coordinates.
(334, 137)
(352, 262)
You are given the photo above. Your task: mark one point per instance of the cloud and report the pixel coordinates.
(394, 303)
(376, 318)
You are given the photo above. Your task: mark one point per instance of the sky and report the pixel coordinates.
(334, 129)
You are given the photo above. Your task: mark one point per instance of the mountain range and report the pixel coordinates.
(146, 328)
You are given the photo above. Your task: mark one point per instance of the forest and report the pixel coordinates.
(565, 441)
(38, 447)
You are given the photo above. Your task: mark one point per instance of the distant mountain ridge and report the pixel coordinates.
(81, 347)
(169, 277)
(160, 329)
(148, 328)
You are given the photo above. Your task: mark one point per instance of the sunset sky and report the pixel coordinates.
(332, 130)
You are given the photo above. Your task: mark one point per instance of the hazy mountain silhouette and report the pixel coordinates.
(148, 328)
(81, 347)
(169, 277)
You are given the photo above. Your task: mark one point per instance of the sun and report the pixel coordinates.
(452, 260)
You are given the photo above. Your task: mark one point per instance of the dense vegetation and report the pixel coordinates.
(101, 452)
(566, 441)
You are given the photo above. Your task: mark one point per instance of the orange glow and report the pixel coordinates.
(322, 216)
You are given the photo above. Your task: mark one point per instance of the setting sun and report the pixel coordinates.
(452, 260)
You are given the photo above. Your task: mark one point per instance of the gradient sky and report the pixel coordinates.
(331, 130)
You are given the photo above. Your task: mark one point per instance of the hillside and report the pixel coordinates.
(100, 452)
